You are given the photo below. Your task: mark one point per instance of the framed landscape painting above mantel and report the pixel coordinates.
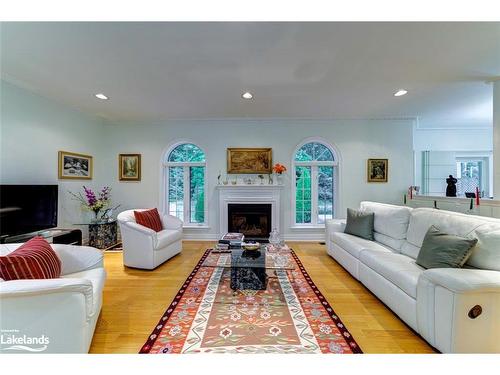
(73, 166)
(129, 166)
(249, 160)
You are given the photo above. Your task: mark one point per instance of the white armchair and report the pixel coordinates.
(143, 247)
(60, 314)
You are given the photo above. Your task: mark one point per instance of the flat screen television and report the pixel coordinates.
(27, 208)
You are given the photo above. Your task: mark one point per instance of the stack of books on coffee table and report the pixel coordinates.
(231, 240)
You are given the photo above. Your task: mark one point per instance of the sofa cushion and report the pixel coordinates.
(486, 253)
(167, 237)
(78, 258)
(390, 220)
(399, 269)
(354, 245)
(34, 259)
(359, 224)
(389, 241)
(410, 250)
(149, 218)
(443, 250)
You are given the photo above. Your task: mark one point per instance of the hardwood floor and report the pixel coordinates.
(134, 301)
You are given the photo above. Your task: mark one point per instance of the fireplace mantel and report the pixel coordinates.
(248, 194)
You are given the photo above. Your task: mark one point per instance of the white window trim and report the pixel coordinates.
(164, 185)
(336, 164)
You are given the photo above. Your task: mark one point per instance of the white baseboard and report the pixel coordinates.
(200, 237)
(305, 237)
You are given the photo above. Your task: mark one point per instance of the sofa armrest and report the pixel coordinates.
(27, 288)
(171, 222)
(332, 226)
(458, 310)
(460, 280)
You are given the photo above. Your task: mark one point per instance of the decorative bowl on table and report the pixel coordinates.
(250, 246)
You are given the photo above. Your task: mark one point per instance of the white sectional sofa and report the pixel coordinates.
(63, 310)
(455, 310)
(143, 247)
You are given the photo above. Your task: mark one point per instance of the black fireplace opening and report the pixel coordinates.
(253, 220)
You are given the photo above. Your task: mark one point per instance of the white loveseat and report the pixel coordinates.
(63, 310)
(143, 247)
(455, 310)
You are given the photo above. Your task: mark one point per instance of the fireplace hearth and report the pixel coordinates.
(253, 220)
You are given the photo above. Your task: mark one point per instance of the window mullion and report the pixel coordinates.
(314, 195)
(187, 198)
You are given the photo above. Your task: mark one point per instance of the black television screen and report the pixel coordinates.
(27, 208)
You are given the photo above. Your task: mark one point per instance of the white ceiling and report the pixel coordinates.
(158, 71)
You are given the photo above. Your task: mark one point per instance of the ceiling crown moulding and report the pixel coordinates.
(257, 120)
(492, 80)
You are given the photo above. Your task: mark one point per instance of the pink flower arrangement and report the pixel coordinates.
(94, 202)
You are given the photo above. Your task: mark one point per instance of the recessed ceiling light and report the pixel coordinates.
(247, 95)
(101, 96)
(401, 92)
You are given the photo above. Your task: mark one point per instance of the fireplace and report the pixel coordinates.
(253, 220)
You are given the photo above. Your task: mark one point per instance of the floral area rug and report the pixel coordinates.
(289, 316)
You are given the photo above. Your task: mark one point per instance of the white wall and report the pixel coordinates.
(453, 139)
(356, 140)
(33, 129)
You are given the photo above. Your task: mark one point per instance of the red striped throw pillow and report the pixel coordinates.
(34, 259)
(149, 218)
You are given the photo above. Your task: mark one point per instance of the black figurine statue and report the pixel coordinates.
(451, 189)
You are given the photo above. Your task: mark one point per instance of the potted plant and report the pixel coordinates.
(95, 203)
(278, 170)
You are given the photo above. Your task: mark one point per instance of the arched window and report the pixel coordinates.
(314, 167)
(185, 181)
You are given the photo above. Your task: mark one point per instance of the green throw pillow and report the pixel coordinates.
(360, 224)
(442, 250)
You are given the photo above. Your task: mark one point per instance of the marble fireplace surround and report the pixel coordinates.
(248, 194)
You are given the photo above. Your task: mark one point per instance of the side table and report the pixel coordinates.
(102, 235)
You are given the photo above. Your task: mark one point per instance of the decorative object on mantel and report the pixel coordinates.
(73, 166)
(377, 170)
(249, 160)
(96, 204)
(129, 166)
(261, 178)
(278, 170)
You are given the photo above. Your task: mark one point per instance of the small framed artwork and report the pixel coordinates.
(378, 170)
(249, 160)
(73, 166)
(129, 167)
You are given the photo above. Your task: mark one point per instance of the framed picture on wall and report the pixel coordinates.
(249, 160)
(129, 167)
(378, 170)
(73, 166)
